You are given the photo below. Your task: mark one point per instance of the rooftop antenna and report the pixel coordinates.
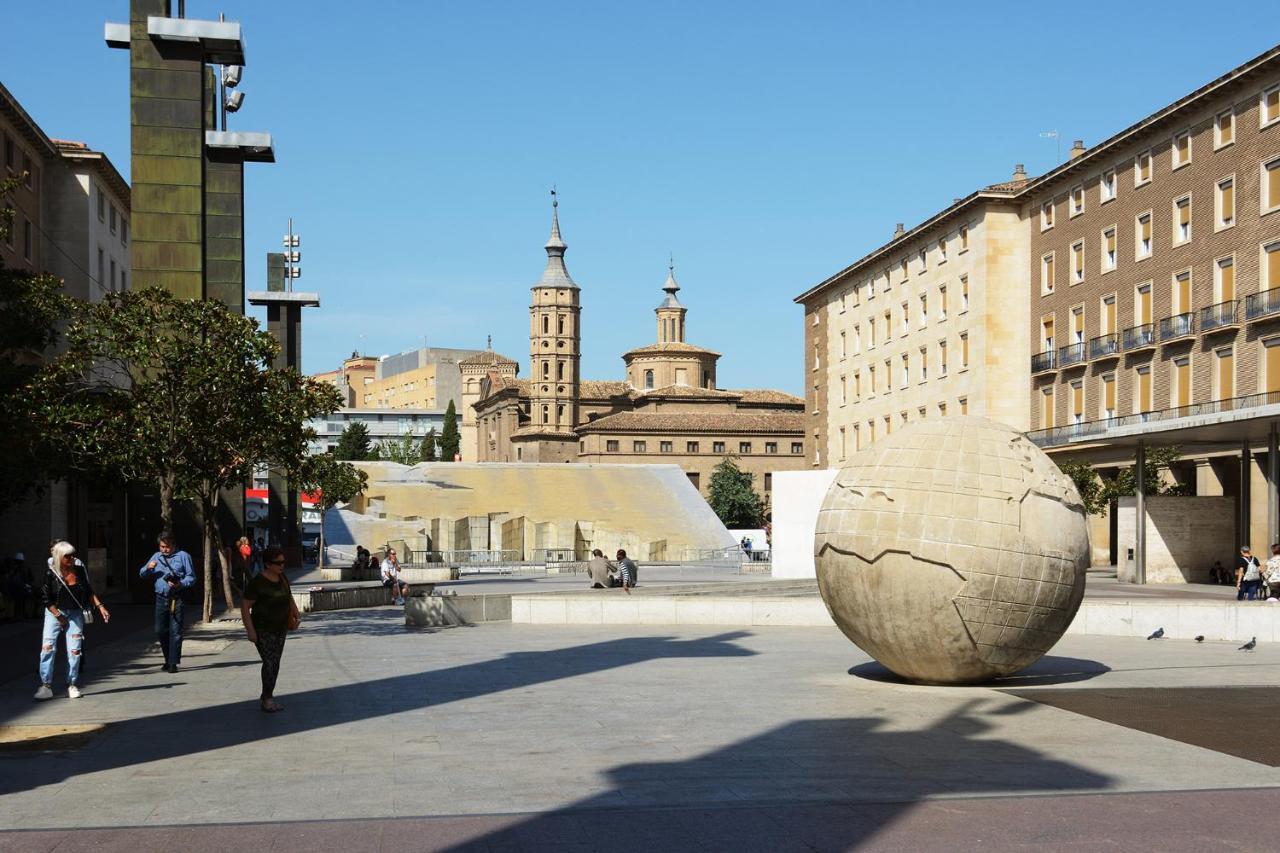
(1054, 135)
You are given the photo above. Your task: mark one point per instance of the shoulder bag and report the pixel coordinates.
(85, 613)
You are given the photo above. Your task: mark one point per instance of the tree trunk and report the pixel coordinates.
(166, 503)
(320, 553)
(221, 547)
(206, 611)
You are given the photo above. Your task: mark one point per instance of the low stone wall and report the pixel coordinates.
(372, 595)
(607, 609)
(439, 611)
(410, 576)
(1213, 620)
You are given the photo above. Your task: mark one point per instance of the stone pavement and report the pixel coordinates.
(519, 737)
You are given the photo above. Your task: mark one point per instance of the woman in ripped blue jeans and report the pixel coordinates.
(66, 594)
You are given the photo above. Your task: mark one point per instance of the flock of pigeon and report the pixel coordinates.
(1158, 634)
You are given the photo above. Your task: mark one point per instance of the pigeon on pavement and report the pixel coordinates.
(1200, 638)
(1156, 634)
(1249, 646)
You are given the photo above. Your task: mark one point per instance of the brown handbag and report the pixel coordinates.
(295, 618)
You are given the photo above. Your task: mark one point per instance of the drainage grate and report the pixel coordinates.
(1230, 720)
(47, 738)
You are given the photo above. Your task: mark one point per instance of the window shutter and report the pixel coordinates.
(1227, 280)
(1273, 365)
(1109, 393)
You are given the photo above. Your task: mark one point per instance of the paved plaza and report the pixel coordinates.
(519, 737)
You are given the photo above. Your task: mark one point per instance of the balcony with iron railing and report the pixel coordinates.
(1264, 304)
(1137, 338)
(1216, 318)
(1177, 326)
(1057, 436)
(1071, 354)
(1044, 361)
(1104, 346)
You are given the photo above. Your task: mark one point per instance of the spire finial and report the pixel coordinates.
(489, 344)
(555, 243)
(671, 262)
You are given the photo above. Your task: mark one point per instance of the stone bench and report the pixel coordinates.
(350, 595)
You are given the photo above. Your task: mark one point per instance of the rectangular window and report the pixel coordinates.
(28, 171)
(964, 350)
(1142, 237)
(1046, 274)
(1077, 324)
(717, 447)
(102, 268)
(113, 218)
(888, 425)
(843, 443)
(1109, 249)
(1077, 262)
(1224, 285)
(1182, 220)
(1271, 346)
(942, 410)
(1225, 203)
(844, 391)
(1142, 169)
(610, 446)
(1182, 292)
(26, 242)
(1107, 186)
(744, 447)
(924, 364)
(1077, 401)
(102, 206)
(691, 447)
(871, 334)
(1143, 398)
(888, 376)
(797, 448)
(1226, 374)
(1271, 185)
(1181, 149)
(963, 402)
(942, 302)
(964, 293)
(844, 349)
(1224, 129)
(1107, 316)
(942, 250)
(1046, 216)
(639, 447)
(9, 152)
(1109, 395)
(1046, 408)
(924, 308)
(124, 231)
(664, 447)
(905, 323)
(112, 280)
(1270, 266)
(903, 267)
(1269, 106)
(924, 260)
(1077, 200)
(12, 220)
(1142, 304)
(872, 370)
(857, 385)
(906, 370)
(771, 447)
(942, 358)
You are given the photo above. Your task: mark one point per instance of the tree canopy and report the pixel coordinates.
(427, 450)
(450, 440)
(337, 481)
(733, 498)
(353, 444)
(1097, 492)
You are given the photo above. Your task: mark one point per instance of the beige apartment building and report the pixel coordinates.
(928, 325)
(1155, 294)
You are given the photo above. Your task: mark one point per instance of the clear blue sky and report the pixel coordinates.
(766, 145)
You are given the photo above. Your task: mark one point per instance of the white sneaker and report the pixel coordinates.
(399, 602)
(73, 692)
(45, 692)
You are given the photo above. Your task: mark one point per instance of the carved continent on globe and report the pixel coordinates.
(952, 551)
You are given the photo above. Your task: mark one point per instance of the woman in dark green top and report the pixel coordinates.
(265, 608)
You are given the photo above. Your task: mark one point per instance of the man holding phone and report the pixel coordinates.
(173, 574)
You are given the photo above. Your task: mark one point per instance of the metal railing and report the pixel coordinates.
(1220, 316)
(1054, 436)
(1139, 337)
(1042, 361)
(1071, 354)
(1262, 304)
(1104, 345)
(1177, 326)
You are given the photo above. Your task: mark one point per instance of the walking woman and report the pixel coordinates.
(67, 599)
(269, 612)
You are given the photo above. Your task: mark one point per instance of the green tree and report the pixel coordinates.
(338, 482)
(353, 444)
(404, 450)
(427, 450)
(732, 496)
(1097, 492)
(31, 307)
(182, 393)
(449, 438)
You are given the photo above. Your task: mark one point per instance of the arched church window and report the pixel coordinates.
(648, 379)
(546, 324)
(546, 370)
(560, 370)
(560, 414)
(546, 410)
(560, 325)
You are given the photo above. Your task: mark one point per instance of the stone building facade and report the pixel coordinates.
(927, 325)
(668, 410)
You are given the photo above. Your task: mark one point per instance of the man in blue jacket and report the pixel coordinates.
(172, 573)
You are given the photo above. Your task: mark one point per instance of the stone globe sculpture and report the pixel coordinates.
(952, 551)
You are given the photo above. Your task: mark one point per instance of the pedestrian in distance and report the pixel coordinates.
(245, 551)
(1218, 574)
(172, 574)
(269, 613)
(601, 571)
(390, 572)
(627, 570)
(1271, 572)
(69, 604)
(1248, 575)
(258, 549)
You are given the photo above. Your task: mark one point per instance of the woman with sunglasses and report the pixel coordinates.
(267, 608)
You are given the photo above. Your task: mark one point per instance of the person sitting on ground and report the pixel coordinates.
(362, 560)
(391, 577)
(1272, 572)
(629, 571)
(1217, 574)
(1248, 575)
(601, 571)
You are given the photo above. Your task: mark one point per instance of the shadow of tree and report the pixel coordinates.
(818, 784)
(196, 730)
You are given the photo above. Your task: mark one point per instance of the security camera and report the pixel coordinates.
(234, 100)
(231, 75)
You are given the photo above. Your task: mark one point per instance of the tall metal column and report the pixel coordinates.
(1273, 486)
(1246, 492)
(1140, 520)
